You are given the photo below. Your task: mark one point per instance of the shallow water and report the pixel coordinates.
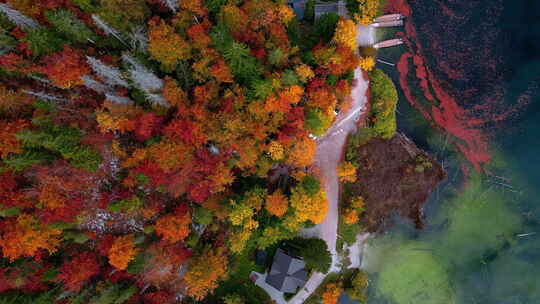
(481, 243)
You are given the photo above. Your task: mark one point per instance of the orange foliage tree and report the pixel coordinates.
(65, 68)
(204, 273)
(302, 153)
(346, 172)
(122, 251)
(350, 216)
(13, 103)
(332, 293)
(174, 227)
(25, 235)
(277, 203)
(346, 33)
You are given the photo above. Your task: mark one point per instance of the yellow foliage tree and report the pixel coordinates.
(238, 240)
(25, 236)
(204, 273)
(166, 46)
(285, 13)
(306, 207)
(233, 17)
(358, 203)
(291, 223)
(107, 122)
(302, 153)
(346, 172)
(367, 63)
(276, 151)
(122, 251)
(242, 215)
(304, 72)
(277, 203)
(365, 11)
(346, 33)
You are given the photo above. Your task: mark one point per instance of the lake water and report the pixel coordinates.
(474, 73)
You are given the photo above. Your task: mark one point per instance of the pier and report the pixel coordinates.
(388, 23)
(388, 43)
(389, 17)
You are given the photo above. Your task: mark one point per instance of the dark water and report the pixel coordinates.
(481, 243)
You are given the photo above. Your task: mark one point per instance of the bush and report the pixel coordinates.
(85, 5)
(325, 26)
(383, 104)
(348, 233)
(64, 141)
(123, 15)
(314, 252)
(43, 41)
(47, 297)
(316, 121)
(66, 23)
(358, 285)
(354, 141)
(311, 185)
(309, 12)
(19, 162)
(203, 216)
(6, 41)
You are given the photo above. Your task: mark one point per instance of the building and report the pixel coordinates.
(287, 273)
(299, 6)
(338, 7)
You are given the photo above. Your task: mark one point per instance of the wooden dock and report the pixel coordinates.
(388, 23)
(388, 43)
(389, 17)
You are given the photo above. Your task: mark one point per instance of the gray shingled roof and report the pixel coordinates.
(330, 7)
(287, 273)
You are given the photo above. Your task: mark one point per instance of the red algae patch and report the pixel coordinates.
(442, 109)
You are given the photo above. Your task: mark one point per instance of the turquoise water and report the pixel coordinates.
(481, 242)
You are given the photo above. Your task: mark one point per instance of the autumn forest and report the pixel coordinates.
(149, 147)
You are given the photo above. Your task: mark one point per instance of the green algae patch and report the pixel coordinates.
(410, 273)
(479, 220)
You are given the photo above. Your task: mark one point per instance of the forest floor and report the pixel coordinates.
(396, 177)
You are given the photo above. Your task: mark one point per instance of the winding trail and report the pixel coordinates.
(329, 152)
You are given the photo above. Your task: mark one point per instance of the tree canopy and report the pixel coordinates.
(149, 144)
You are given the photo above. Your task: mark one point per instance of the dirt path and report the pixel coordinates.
(329, 151)
(356, 251)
